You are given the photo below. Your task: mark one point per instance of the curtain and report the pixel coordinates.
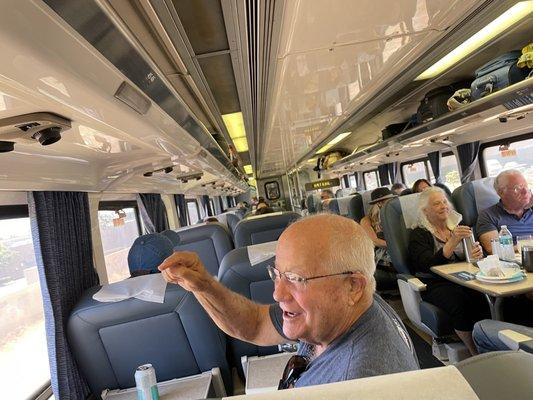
(346, 181)
(394, 173)
(383, 172)
(360, 181)
(434, 160)
(206, 204)
(468, 154)
(61, 231)
(153, 212)
(182, 208)
(230, 201)
(221, 204)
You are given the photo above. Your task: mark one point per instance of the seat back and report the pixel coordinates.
(232, 219)
(262, 228)
(349, 206)
(313, 203)
(366, 200)
(397, 216)
(473, 197)
(110, 340)
(210, 241)
(254, 283)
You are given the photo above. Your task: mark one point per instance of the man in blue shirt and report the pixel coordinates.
(324, 292)
(514, 209)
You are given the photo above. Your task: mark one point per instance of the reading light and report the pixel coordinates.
(248, 169)
(333, 142)
(489, 32)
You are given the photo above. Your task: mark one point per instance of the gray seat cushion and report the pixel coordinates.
(110, 340)
(264, 229)
(472, 197)
(348, 206)
(254, 283)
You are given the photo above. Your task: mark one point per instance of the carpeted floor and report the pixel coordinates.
(423, 351)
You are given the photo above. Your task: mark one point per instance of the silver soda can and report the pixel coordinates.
(468, 245)
(146, 383)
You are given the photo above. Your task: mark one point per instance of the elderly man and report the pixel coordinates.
(513, 209)
(324, 289)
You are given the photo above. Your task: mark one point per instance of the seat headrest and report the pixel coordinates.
(313, 203)
(348, 206)
(172, 235)
(473, 197)
(264, 228)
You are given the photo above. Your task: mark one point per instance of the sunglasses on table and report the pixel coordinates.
(295, 367)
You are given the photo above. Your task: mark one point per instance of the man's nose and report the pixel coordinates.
(281, 290)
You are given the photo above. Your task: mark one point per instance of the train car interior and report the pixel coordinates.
(138, 131)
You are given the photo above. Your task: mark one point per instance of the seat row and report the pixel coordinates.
(109, 340)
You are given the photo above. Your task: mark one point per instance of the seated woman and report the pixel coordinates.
(438, 241)
(372, 226)
(420, 185)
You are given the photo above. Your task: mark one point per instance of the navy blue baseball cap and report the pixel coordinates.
(172, 235)
(147, 252)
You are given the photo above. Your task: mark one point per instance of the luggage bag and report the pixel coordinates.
(497, 74)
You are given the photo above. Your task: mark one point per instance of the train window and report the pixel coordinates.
(511, 155)
(414, 171)
(23, 350)
(119, 227)
(371, 179)
(449, 171)
(212, 203)
(193, 211)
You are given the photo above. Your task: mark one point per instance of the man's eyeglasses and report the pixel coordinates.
(295, 367)
(518, 189)
(297, 280)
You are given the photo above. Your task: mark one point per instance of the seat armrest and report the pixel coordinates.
(417, 284)
(515, 340)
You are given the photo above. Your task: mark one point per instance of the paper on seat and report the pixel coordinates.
(485, 194)
(344, 203)
(409, 205)
(147, 287)
(261, 252)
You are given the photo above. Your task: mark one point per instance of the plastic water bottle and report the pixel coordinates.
(506, 244)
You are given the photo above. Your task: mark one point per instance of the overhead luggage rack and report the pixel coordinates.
(515, 99)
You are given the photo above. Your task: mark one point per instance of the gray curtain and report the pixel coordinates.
(182, 209)
(468, 154)
(153, 212)
(221, 204)
(383, 172)
(206, 204)
(434, 160)
(360, 181)
(394, 173)
(61, 231)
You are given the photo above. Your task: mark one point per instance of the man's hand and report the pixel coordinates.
(184, 268)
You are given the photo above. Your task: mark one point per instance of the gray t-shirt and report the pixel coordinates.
(376, 344)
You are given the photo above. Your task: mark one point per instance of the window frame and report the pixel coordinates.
(13, 211)
(498, 142)
(195, 201)
(115, 205)
(368, 172)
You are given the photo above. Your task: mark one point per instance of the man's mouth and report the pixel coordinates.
(290, 315)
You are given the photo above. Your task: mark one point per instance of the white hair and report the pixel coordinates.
(423, 202)
(501, 179)
(349, 252)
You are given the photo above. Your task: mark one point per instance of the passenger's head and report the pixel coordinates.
(326, 194)
(210, 220)
(434, 206)
(264, 210)
(380, 196)
(513, 189)
(397, 188)
(420, 185)
(261, 205)
(320, 310)
(445, 188)
(147, 252)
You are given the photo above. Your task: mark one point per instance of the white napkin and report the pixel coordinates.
(492, 266)
(259, 253)
(454, 219)
(146, 287)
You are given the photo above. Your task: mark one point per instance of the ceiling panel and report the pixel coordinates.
(333, 59)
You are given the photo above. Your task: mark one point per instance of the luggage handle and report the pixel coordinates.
(486, 85)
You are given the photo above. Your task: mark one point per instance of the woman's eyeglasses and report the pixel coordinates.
(295, 367)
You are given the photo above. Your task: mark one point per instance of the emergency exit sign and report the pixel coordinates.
(324, 184)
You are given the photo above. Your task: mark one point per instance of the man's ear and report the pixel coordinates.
(357, 284)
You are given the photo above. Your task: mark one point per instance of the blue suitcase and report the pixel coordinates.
(498, 74)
